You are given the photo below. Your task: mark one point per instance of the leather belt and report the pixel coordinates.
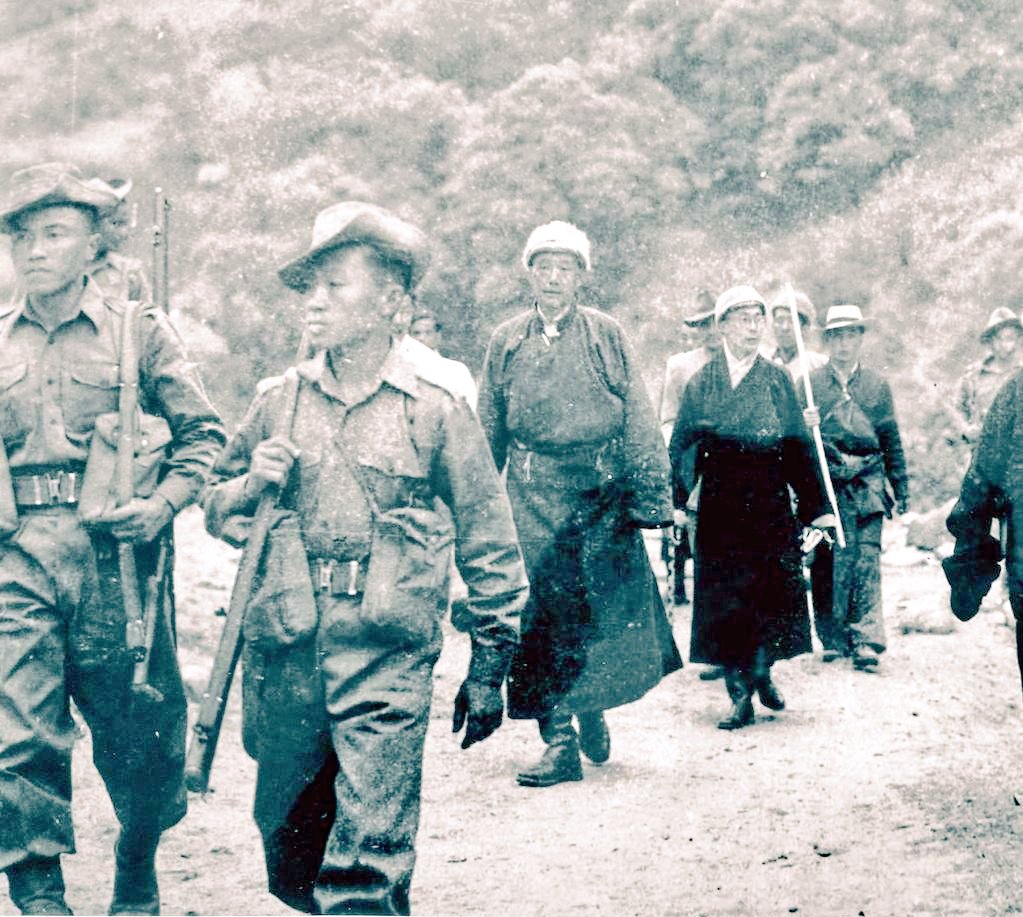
(56, 487)
(339, 577)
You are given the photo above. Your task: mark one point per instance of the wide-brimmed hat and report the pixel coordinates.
(119, 187)
(52, 184)
(738, 297)
(699, 319)
(359, 223)
(1000, 318)
(844, 316)
(557, 236)
(804, 307)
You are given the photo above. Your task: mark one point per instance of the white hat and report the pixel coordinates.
(557, 236)
(737, 298)
(844, 316)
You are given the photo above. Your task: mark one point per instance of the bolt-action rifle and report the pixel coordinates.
(206, 731)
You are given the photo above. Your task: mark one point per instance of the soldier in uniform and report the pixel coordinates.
(567, 414)
(981, 383)
(118, 275)
(61, 616)
(864, 450)
(338, 713)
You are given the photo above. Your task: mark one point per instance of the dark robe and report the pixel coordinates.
(569, 418)
(992, 489)
(752, 446)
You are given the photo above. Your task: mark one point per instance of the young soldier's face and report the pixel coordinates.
(117, 227)
(350, 299)
(844, 345)
(554, 277)
(51, 248)
(425, 331)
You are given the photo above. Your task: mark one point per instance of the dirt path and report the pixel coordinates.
(886, 794)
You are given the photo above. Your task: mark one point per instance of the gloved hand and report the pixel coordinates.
(480, 707)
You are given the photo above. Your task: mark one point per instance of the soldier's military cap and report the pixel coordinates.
(52, 184)
(738, 297)
(359, 223)
(1000, 318)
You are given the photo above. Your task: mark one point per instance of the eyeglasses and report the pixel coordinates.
(749, 319)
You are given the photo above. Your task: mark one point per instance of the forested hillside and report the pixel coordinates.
(865, 149)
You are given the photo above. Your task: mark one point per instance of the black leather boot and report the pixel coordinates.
(766, 689)
(594, 738)
(36, 886)
(739, 686)
(135, 887)
(560, 762)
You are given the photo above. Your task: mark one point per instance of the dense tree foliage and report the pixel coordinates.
(834, 142)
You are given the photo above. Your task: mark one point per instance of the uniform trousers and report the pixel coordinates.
(847, 588)
(62, 638)
(337, 725)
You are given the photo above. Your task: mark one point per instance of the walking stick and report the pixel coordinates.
(815, 429)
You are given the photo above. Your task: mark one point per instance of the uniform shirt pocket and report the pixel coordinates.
(90, 389)
(16, 405)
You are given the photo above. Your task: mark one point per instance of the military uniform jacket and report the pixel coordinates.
(409, 441)
(54, 385)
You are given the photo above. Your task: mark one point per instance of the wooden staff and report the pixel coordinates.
(815, 429)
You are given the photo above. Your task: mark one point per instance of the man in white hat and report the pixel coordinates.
(742, 416)
(61, 604)
(338, 701)
(567, 414)
(981, 382)
(118, 275)
(864, 450)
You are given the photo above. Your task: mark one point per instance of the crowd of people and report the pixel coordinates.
(386, 469)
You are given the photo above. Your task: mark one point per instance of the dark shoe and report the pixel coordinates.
(740, 686)
(594, 738)
(559, 764)
(135, 887)
(865, 659)
(36, 886)
(741, 715)
(712, 673)
(832, 655)
(769, 694)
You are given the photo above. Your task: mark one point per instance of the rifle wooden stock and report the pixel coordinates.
(206, 731)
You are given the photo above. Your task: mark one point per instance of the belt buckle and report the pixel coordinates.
(351, 587)
(53, 486)
(325, 575)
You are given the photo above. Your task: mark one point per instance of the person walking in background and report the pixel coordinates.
(981, 382)
(118, 275)
(786, 353)
(740, 412)
(700, 343)
(567, 414)
(864, 449)
(426, 329)
(62, 614)
(338, 699)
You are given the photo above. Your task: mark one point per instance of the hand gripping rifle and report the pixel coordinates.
(214, 701)
(804, 371)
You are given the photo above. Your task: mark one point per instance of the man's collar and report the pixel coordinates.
(398, 370)
(90, 303)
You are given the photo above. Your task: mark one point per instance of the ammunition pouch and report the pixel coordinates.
(282, 609)
(98, 495)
